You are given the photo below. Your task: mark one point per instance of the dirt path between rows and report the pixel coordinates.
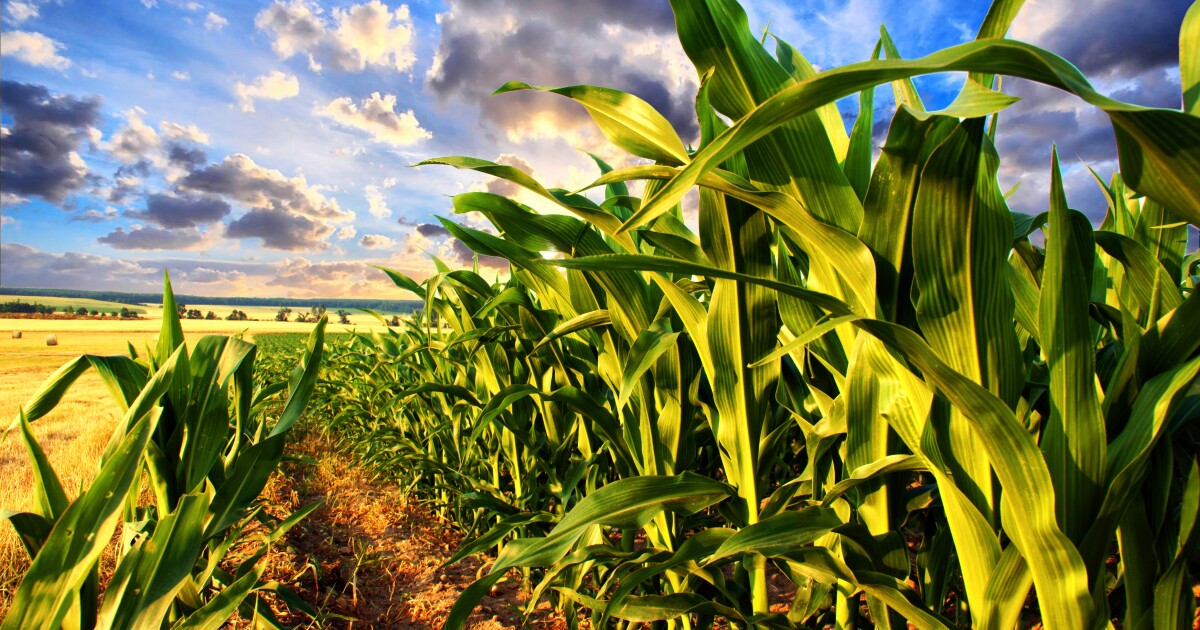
(368, 559)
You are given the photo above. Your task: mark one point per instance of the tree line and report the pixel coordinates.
(393, 306)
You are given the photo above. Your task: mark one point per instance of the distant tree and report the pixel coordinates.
(210, 315)
(343, 316)
(181, 309)
(81, 311)
(283, 314)
(237, 315)
(95, 313)
(395, 321)
(194, 313)
(125, 313)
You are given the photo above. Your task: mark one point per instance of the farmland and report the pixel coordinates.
(61, 303)
(860, 392)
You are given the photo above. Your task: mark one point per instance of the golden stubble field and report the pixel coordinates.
(74, 434)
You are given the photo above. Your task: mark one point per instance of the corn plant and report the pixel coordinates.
(1028, 406)
(192, 423)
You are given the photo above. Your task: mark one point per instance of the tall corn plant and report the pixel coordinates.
(893, 319)
(193, 423)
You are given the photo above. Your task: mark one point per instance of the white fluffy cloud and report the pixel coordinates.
(376, 203)
(368, 34)
(34, 49)
(214, 22)
(377, 116)
(274, 86)
(376, 241)
(20, 11)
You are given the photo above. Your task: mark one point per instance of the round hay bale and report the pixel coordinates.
(16, 334)
(52, 340)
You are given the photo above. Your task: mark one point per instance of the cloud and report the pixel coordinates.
(1105, 36)
(376, 241)
(133, 141)
(214, 22)
(34, 49)
(362, 35)
(504, 187)
(238, 177)
(346, 232)
(1120, 46)
(377, 116)
(206, 275)
(154, 238)
(186, 157)
(176, 131)
(274, 86)
(307, 278)
(461, 254)
(38, 154)
(7, 220)
(25, 266)
(432, 230)
(180, 75)
(171, 211)
(20, 11)
(278, 229)
(92, 215)
(377, 204)
(629, 45)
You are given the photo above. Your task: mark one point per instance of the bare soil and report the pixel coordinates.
(367, 558)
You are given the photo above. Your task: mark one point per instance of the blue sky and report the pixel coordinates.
(264, 148)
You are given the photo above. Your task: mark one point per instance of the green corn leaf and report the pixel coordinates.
(1157, 148)
(49, 499)
(627, 504)
(1060, 574)
(144, 584)
(650, 345)
(1074, 441)
(626, 120)
(301, 390)
(1189, 60)
(79, 536)
(170, 336)
(220, 608)
(779, 535)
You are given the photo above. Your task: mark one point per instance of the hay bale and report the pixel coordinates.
(52, 340)
(16, 334)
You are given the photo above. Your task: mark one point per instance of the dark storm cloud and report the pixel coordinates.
(188, 157)
(1100, 37)
(555, 43)
(152, 238)
(280, 230)
(238, 177)
(38, 153)
(463, 255)
(432, 230)
(171, 211)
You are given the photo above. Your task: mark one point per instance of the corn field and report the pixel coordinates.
(194, 427)
(866, 378)
(870, 377)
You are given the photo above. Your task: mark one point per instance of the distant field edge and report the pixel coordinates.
(155, 299)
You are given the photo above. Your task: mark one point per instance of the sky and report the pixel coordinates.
(267, 148)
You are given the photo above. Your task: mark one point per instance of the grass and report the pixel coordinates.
(73, 435)
(60, 303)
